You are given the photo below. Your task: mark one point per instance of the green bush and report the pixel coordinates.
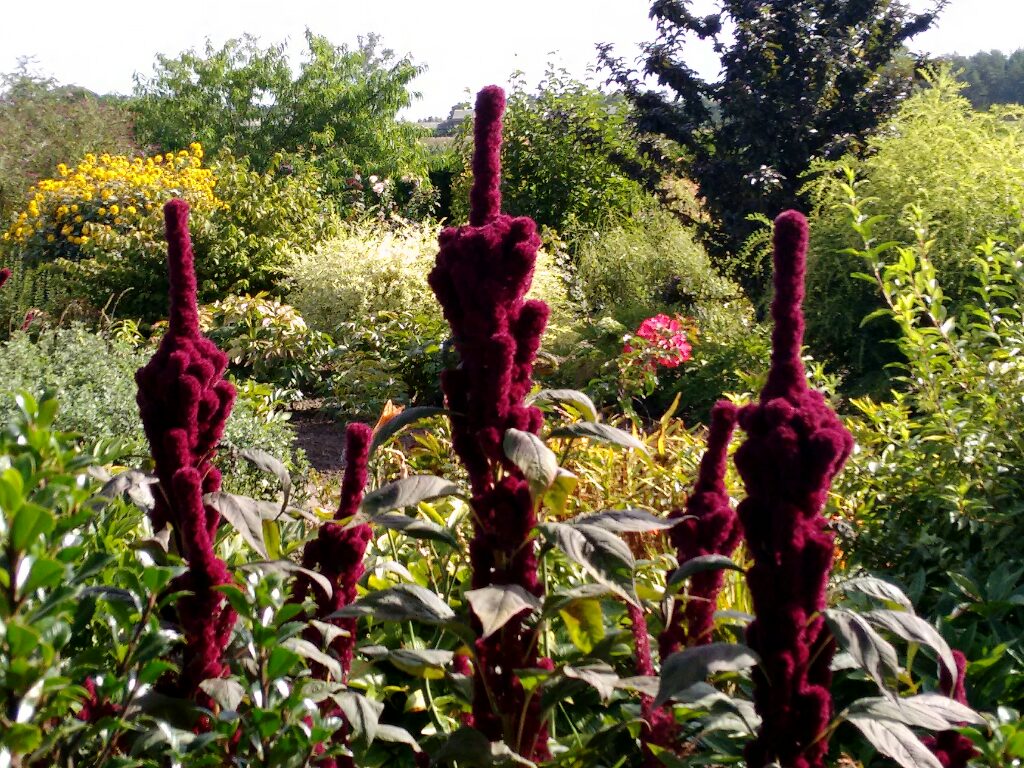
(935, 490)
(372, 268)
(95, 377)
(964, 169)
(94, 233)
(649, 265)
(44, 123)
(563, 156)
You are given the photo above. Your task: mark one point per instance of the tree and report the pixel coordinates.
(992, 77)
(799, 79)
(564, 150)
(43, 123)
(340, 110)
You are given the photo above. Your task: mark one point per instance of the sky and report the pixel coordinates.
(465, 44)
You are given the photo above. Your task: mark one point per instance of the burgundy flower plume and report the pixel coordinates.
(184, 402)
(795, 446)
(482, 274)
(5, 275)
(952, 749)
(709, 527)
(337, 552)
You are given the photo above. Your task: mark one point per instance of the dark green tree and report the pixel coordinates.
(340, 110)
(800, 79)
(992, 77)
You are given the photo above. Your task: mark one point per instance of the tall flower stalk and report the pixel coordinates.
(337, 553)
(795, 445)
(184, 402)
(482, 274)
(953, 749)
(708, 526)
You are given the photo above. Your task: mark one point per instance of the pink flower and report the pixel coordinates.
(665, 342)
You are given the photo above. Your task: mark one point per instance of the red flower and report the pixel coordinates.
(666, 344)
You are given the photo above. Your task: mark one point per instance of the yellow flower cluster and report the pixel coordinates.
(106, 196)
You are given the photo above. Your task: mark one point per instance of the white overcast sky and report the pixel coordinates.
(465, 44)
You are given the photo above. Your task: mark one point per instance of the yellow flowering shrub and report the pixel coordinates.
(96, 229)
(93, 205)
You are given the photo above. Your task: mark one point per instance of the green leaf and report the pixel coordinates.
(415, 527)
(873, 653)
(30, 522)
(402, 420)
(693, 665)
(576, 400)
(561, 489)
(600, 432)
(930, 711)
(584, 621)
(362, 715)
(310, 652)
(878, 589)
(702, 564)
(471, 749)
(135, 483)
(407, 492)
(627, 521)
(495, 606)
(287, 566)
(914, 629)
(896, 741)
(598, 675)
(600, 553)
(395, 735)
(228, 693)
(271, 465)
(425, 663)
(281, 662)
(21, 738)
(244, 515)
(272, 539)
(405, 602)
(533, 458)
(44, 573)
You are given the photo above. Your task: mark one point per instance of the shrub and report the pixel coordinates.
(265, 339)
(44, 123)
(563, 156)
(977, 188)
(639, 269)
(934, 493)
(96, 228)
(96, 377)
(373, 268)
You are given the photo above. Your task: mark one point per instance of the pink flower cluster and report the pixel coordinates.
(665, 342)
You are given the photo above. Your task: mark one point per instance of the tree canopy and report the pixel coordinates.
(799, 79)
(992, 77)
(340, 108)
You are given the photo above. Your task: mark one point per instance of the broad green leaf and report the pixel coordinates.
(402, 420)
(626, 521)
(310, 652)
(425, 663)
(415, 527)
(287, 566)
(872, 652)
(244, 515)
(557, 496)
(533, 458)
(878, 589)
(576, 400)
(896, 741)
(405, 602)
(600, 432)
(914, 629)
(598, 675)
(395, 735)
(584, 621)
(407, 492)
(496, 605)
(228, 693)
(362, 715)
(702, 564)
(271, 465)
(693, 665)
(600, 553)
(471, 749)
